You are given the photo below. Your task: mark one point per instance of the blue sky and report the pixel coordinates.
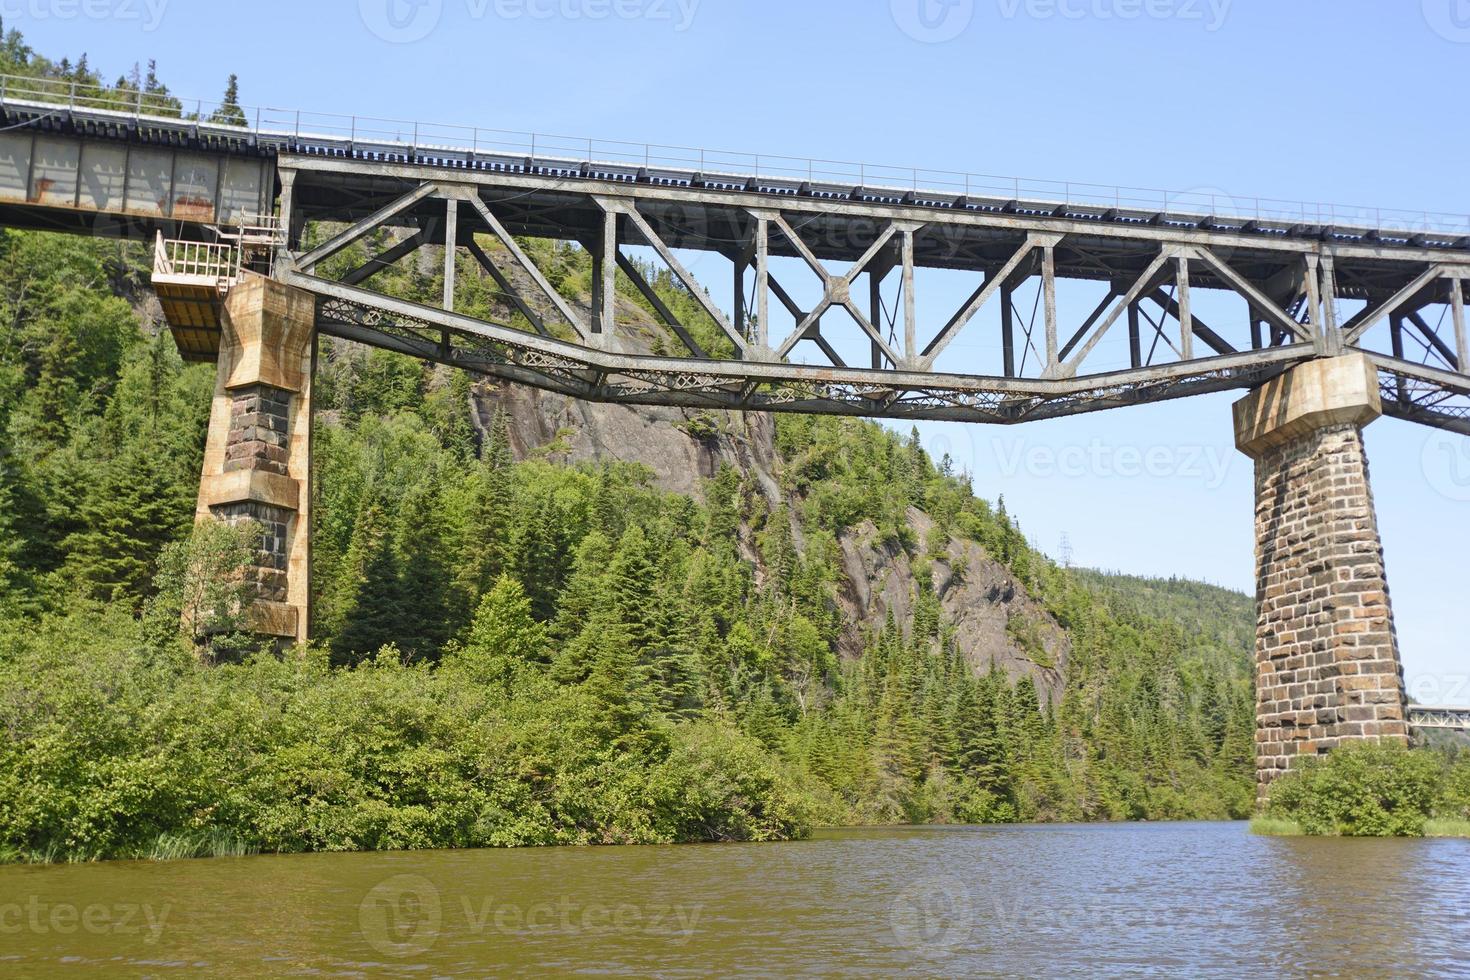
(1348, 101)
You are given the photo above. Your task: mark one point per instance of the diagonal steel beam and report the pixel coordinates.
(1087, 324)
(787, 301)
(977, 299)
(827, 349)
(1257, 298)
(1434, 340)
(672, 322)
(837, 290)
(339, 241)
(528, 266)
(1363, 322)
(801, 248)
(385, 258)
(672, 261)
(861, 265)
(1068, 368)
(814, 334)
(506, 286)
(874, 335)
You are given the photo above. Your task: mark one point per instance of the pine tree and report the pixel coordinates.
(374, 615)
(536, 555)
(630, 583)
(129, 516)
(229, 112)
(586, 591)
(723, 518)
(504, 638)
(435, 610)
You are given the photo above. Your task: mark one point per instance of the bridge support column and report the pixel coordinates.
(257, 459)
(1327, 663)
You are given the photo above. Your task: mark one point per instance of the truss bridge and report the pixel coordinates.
(847, 288)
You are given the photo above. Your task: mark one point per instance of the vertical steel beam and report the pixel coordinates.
(1333, 339)
(1396, 339)
(1007, 329)
(451, 234)
(875, 310)
(1314, 305)
(604, 250)
(1457, 310)
(1049, 303)
(910, 326)
(1255, 318)
(1135, 338)
(288, 212)
(1186, 317)
(762, 332)
(607, 310)
(739, 316)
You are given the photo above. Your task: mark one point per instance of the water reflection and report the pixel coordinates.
(1165, 899)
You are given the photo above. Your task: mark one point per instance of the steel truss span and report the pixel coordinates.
(872, 342)
(1451, 719)
(502, 351)
(1147, 339)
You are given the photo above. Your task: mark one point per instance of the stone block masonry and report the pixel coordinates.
(1327, 663)
(272, 557)
(257, 458)
(260, 423)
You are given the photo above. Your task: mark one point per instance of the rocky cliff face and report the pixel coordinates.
(982, 601)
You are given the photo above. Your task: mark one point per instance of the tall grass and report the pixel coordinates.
(214, 842)
(1276, 827)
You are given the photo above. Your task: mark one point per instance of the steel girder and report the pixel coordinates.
(1453, 719)
(1295, 296)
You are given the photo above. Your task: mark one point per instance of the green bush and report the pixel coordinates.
(1455, 803)
(1364, 790)
(114, 749)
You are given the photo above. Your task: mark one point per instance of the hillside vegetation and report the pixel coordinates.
(520, 651)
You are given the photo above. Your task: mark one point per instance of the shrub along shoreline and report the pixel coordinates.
(1372, 790)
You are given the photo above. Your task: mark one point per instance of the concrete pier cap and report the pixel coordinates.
(1330, 391)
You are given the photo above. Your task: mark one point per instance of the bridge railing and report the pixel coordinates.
(291, 128)
(215, 261)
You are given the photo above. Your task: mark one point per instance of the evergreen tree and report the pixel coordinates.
(504, 638)
(536, 554)
(229, 112)
(434, 610)
(630, 585)
(375, 613)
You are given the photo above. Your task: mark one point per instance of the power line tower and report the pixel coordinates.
(1066, 550)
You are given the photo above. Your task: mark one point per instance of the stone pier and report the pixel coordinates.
(1327, 663)
(257, 460)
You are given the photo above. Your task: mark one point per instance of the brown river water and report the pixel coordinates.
(1193, 900)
